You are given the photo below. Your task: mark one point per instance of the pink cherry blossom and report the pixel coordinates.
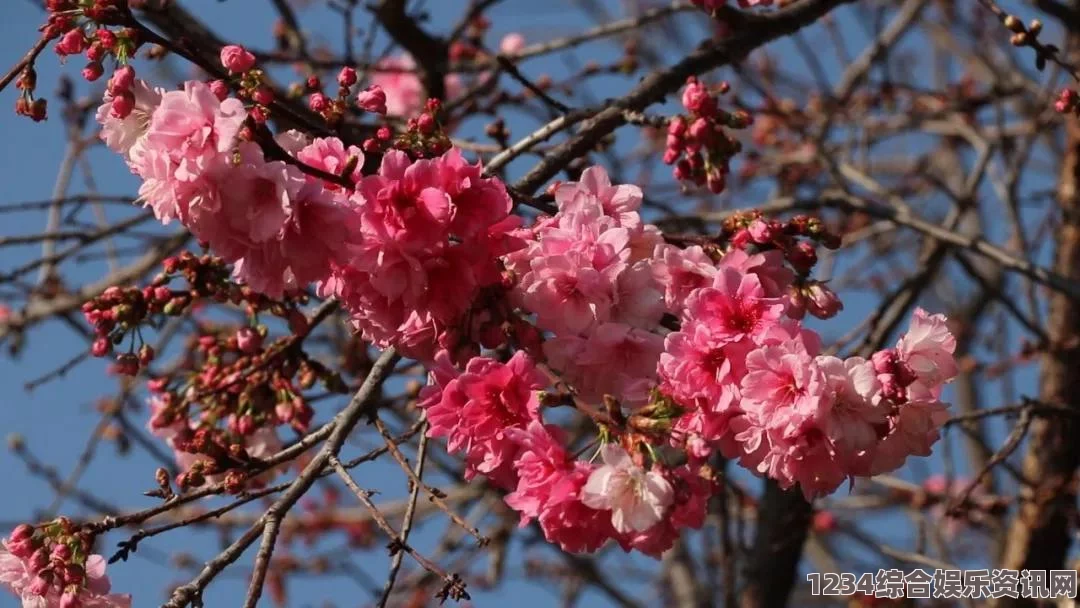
(857, 410)
(121, 134)
(404, 92)
(636, 498)
(737, 305)
(681, 271)
(927, 348)
(612, 358)
(330, 155)
(194, 127)
(784, 385)
(478, 407)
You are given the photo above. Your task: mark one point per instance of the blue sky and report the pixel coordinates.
(57, 418)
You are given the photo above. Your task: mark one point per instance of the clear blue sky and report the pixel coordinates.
(57, 419)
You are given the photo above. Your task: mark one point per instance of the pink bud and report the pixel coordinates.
(263, 96)
(22, 532)
(511, 44)
(248, 340)
(884, 361)
(318, 102)
(700, 130)
(93, 71)
(802, 256)
(677, 126)
(123, 105)
(346, 77)
(106, 38)
(122, 79)
(696, 98)
(245, 425)
(237, 59)
(72, 43)
(426, 123)
(796, 303)
(761, 231)
(220, 89)
(101, 347)
(372, 99)
(39, 586)
(60, 552)
(39, 559)
(891, 389)
(821, 301)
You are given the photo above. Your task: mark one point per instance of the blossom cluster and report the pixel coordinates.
(740, 375)
(690, 344)
(698, 143)
(51, 566)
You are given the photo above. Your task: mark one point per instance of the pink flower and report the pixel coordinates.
(330, 155)
(681, 271)
(618, 202)
(736, 306)
(636, 498)
(572, 525)
(784, 386)
(396, 76)
(639, 297)
(613, 358)
(478, 202)
(192, 127)
(543, 467)
(121, 134)
(857, 411)
(567, 294)
(478, 408)
(512, 43)
(769, 267)
(405, 203)
(19, 576)
(252, 199)
(697, 370)
(927, 348)
(236, 58)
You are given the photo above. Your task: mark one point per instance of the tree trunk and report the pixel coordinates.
(782, 524)
(1041, 533)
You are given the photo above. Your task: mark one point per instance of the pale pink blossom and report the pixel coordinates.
(927, 348)
(396, 76)
(330, 154)
(681, 271)
(121, 134)
(857, 411)
(636, 498)
(610, 359)
(512, 43)
(193, 127)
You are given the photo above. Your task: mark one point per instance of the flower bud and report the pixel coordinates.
(372, 99)
(821, 301)
(347, 77)
(237, 59)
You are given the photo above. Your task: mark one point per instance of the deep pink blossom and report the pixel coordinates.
(477, 409)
